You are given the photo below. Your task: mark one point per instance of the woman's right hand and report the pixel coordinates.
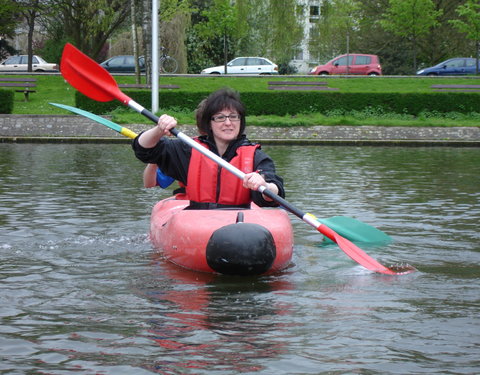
(165, 123)
(151, 137)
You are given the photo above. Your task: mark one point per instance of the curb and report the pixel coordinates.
(78, 129)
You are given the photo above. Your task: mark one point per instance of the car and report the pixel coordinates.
(360, 64)
(123, 64)
(19, 63)
(457, 66)
(245, 65)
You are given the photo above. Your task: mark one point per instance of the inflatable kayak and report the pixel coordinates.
(229, 241)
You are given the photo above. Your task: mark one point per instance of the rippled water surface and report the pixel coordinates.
(82, 291)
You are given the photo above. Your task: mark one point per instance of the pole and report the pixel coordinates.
(154, 56)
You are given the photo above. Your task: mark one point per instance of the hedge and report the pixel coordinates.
(6, 101)
(283, 103)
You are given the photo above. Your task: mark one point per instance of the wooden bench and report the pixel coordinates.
(456, 88)
(145, 86)
(21, 84)
(299, 85)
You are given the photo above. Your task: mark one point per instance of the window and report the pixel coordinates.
(239, 61)
(363, 60)
(343, 61)
(314, 13)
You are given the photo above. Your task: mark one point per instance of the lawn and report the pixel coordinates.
(53, 88)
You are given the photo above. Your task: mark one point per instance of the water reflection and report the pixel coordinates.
(82, 290)
(214, 321)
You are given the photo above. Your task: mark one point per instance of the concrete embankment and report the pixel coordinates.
(76, 129)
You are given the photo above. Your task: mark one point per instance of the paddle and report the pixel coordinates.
(163, 180)
(92, 80)
(347, 227)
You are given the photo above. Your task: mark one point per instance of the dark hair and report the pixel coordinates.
(217, 101)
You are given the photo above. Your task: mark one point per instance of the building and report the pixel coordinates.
(303, 60)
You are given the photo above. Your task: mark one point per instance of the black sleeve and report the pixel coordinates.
(171, 155)
(265, 166)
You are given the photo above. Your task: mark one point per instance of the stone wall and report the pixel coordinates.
(61, 127)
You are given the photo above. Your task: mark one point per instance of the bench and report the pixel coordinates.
(21, 84)
(145, 86)
(456, 88)
(299, 85)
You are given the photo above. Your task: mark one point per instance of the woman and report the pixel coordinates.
(221, 125)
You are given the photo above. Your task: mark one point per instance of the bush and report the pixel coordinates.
(6, 101)
(294, 102)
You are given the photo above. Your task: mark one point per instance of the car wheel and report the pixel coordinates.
(431, 74)
(323, 74)
(215, 73)
(373, 74)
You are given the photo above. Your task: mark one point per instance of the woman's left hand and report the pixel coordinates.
(254, 180)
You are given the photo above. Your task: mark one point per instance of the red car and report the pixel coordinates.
(357, 64)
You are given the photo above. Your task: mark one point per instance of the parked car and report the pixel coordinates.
(357, 64)
(452, 67)
(245, 65)
(19, 63)
(123, 64)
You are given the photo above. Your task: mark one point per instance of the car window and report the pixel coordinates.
(470, 62)
(363, 60)
(456, 63)
(116, 61)
(13, 60)
(129, 60)
(343, 60)
(240, 61)
(34, 60)
(254, 61)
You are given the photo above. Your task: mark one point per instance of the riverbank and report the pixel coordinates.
(77, 129)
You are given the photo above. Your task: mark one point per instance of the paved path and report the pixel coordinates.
(72, 128)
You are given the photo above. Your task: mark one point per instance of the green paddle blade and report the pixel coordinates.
(355, 230)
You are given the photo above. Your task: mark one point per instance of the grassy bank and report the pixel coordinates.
(53, 88)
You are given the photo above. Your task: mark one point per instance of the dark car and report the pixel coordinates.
(458, 66)
(123, 64)
(353, 63)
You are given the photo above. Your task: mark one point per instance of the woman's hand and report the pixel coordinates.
(254, 180)
(151, 137)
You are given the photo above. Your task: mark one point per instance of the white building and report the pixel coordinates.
(303, 61)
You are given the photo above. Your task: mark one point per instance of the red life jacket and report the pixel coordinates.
(208, 182)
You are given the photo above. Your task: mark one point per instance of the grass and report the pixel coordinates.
(53, 88)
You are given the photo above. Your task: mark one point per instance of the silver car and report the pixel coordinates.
(19, 63)
(245, 65)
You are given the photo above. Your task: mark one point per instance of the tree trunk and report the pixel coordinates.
(147, 37)
(135, 41)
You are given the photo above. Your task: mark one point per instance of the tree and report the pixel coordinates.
(285, 31)
(469, 23)
(220, 21)
(339, 24)
(87, 24)
(31, 10)
(410, 19)
(8, 21)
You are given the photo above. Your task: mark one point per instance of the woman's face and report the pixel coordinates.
(225, 125)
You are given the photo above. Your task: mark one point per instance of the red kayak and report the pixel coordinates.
(227, 241)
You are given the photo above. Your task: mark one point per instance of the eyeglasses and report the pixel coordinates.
(223, 118)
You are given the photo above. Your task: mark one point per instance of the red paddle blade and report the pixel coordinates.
(88, 77)
(359, 256)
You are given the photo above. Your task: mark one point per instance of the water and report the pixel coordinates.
(82, 291)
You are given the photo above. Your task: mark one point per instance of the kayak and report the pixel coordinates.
(238, 241)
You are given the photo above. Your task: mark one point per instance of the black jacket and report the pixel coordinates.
(172, 156)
